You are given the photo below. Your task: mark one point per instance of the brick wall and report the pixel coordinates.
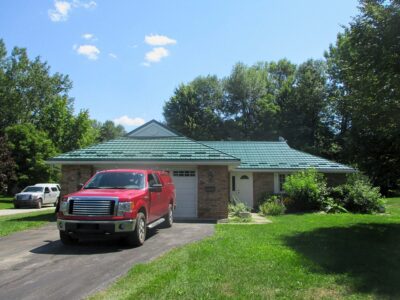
(72, 175)
(213, 192)
(262, 183)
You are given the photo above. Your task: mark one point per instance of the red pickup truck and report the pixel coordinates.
(118, 202)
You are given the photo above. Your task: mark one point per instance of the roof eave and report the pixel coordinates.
(289, 170)
(145, 162)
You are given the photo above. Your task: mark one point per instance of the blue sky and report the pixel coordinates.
(119, 74)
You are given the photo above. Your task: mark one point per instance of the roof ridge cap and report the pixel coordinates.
(214, 149)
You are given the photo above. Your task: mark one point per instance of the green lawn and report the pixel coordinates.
(19, 222)
(6, 202)
(309, 256)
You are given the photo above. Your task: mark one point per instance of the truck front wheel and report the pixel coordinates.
(138, 236)
(66, 239)
(169, 217)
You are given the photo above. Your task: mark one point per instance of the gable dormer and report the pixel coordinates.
(152, 129)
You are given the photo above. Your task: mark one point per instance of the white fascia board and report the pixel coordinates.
(293, 170)
(118, 162)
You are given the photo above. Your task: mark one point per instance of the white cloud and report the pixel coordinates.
(60, 11)
(89, 36)
(90, 51)
(112, 55)
(126, 121)
(87, 5)
(156, 54)
(158, 40)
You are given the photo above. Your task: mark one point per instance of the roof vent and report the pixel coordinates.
(281, 139)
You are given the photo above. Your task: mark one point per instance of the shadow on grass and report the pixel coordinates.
(6, 201)
(49, 217)
(369, 254)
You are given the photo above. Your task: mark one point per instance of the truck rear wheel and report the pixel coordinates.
(66, 239)
(138, 236)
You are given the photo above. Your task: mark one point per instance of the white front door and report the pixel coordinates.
(242, 187)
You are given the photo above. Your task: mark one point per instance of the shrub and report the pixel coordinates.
(358, 195)
(331, 205)
(272, 206)
(236, 209)
(307, 189)
(272, 209)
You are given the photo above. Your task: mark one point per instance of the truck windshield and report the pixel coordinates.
(117, 180)
(33, 189)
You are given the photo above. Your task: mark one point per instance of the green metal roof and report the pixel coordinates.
(274, 155)
(177, 148)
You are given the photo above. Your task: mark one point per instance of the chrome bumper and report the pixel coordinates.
(117, 226)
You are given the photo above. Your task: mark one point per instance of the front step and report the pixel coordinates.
(155, 223)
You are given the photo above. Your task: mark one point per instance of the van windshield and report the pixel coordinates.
(33, 189)
(117, 180)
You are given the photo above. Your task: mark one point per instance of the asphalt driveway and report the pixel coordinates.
(35, 265)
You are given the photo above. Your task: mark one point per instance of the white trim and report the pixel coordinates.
(292, 170)
(117, 162)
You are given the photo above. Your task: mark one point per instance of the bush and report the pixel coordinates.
(358, 195)
(331, 205)
(306, 189)
(235, 209)
(272, 206)
(272, 209)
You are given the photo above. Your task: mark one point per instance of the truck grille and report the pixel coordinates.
(91, 207)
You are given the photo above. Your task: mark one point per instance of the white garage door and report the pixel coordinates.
(186, 193)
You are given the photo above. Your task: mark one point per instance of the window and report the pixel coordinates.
(116, 180)
(54, 189)
(244, 177)
(184, 173)
(233, 183)
(153, 179)
(282, 178)
(47, 190)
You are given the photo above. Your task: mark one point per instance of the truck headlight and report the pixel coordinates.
(64, 205)
(34, 197)
(124, 207)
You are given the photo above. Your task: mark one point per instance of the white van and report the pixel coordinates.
(38, 195)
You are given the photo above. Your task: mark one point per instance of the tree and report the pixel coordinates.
(194, 108)
(364, 70)
(304, 118)
(30, 148)
(26, 87)
(249, 102)
(7, 166)
(81, 132)
(108, 131)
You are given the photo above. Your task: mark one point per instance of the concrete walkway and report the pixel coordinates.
(257, 219)
(13, 211)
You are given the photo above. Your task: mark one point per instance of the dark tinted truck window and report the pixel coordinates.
(116, 180)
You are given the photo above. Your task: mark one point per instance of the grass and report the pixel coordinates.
(308, 256)
(6, 202)
(19, 222)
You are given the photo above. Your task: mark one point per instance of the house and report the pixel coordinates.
(206, 174)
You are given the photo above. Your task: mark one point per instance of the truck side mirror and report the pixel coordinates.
(79, 186)
(157, 187)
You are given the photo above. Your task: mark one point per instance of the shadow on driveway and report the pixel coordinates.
(88, 245)
(369, 254)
